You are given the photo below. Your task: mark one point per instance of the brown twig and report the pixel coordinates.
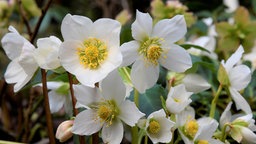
(75, 111)
(24, 18)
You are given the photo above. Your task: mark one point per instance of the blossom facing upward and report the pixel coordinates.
(154, 46)
(90, 49)
(22, 66)
(106, 109)
(158, 127)
(241, 127)
(47, 53)
(239, 77)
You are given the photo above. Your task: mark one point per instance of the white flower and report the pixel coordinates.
(178, 98)
(232, 5)
(106, 109)
(90, 50)
(241, 127)
(251, 57)
(47, 53)
(22, 66)
(158, 127)
(154, 45)
(239, 77)
(196, 131)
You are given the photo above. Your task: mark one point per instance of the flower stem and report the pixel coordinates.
(47, 108)
(214, 102)
(224, 134)
(75, 111)
(136, 97)
(135, 128)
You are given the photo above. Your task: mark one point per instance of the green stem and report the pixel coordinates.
(214, 102)
(135, 135)
(136, 97)
(224, 134)
(146, 139)
(141, 134)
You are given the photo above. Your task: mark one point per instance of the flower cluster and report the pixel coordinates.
(105, 70)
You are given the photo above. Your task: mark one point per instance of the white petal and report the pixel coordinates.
(130, 52)
(144, 76)
(171, 30)
(86, 95)
(178, 59)
(207, 127)
(195, 83)
(129, 113)
(76, 27)
(187, 114)
(240, 77)
(215, 141)
(56, 101)
(86, 123)
(53, 85)
(142, 26)
(107, 30)
(113, 134)
(248, 136)
(113, 87)
(176, 107)
(226, 115)
(232, 5)
(240, 102)
(235, 57)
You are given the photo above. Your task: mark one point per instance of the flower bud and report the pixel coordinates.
(64, 131)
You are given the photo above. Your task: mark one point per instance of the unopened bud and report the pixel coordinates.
(64, 131)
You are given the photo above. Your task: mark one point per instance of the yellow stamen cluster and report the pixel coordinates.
(154, 127)
(202, 142)
(151, 50)
(191, 128)
(93, 53)
(107, 111)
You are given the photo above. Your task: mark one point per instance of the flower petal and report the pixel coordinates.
(116, 90)
(129, 113)
(235, 57)
(144, 76)
(86, 95)
(171, 30)
(240, 77)
(226, 115)
(56, 101)
(178, 59)
(240, 102)
(129, 52)
(74, 27)
(142, 26)
(207, 127)
(248, 136)
(86, 123)
(114, 133)
(195, 83)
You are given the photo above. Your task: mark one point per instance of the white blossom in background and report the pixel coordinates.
(241, 127)
(47, 53)
(90, 49)
(23, 65)
(232, 5)
(158, 127)
(196, 131)
(106, 109)
(251, 57)
(239, 76)
(178, 99)
(154, 46)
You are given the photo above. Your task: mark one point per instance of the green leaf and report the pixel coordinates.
(188, 46)
(125, 74)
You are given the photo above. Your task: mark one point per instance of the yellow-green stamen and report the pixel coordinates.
(191, 128)
(107, 111)
(154, 127)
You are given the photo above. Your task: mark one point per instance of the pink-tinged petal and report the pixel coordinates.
(113, 87)
(171, 30)
(144, 76)
(86, 95)
(226, 115)
(240, 102)
(240, 77)
(74, 27)
(107, 30)
(130, 52)
(177, 59)
(195, 83)
(142, 26)
(86, 123)
(129, 113)
(56, 101)
(235, 58)
(113, 134)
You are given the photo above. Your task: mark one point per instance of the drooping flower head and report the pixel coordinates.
(154, 46)
(23, 65)
(90, 49)
(106, 109)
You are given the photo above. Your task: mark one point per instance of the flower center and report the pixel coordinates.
(93, 53)
(151, 50)
(191, 128)
(107, 111)
(154, 127)
(202, 142)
